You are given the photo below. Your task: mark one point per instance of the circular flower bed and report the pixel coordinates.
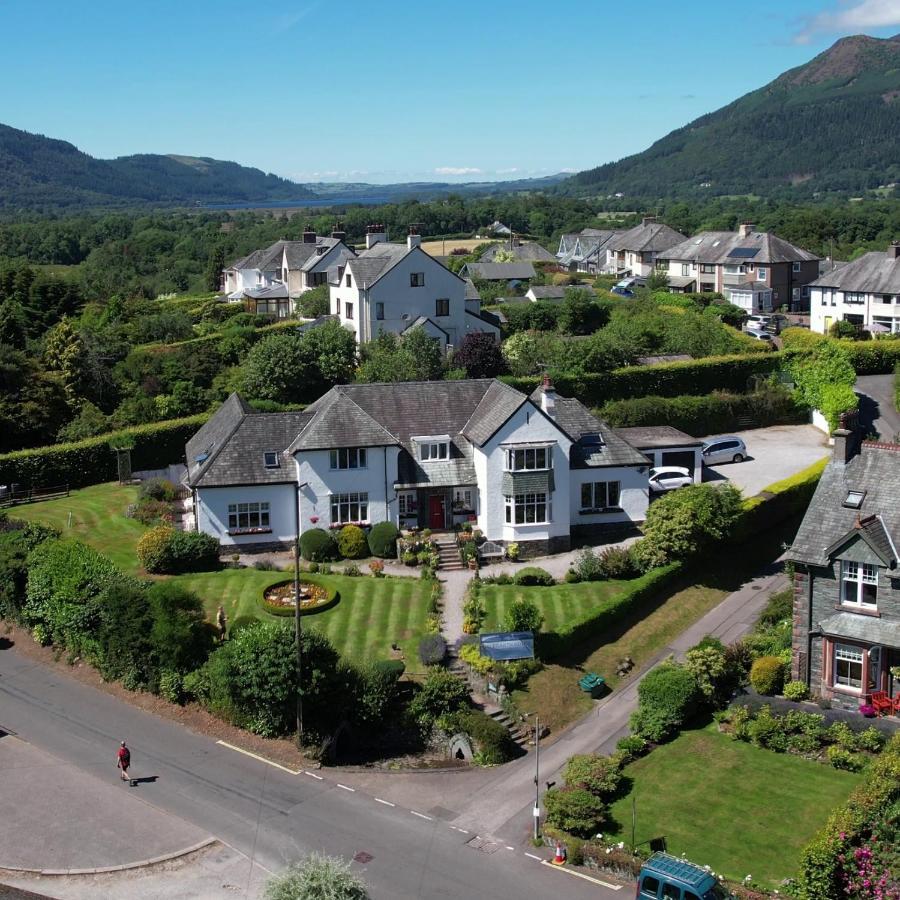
(279, 600)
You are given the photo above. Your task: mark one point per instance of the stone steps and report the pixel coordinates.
(519, 736)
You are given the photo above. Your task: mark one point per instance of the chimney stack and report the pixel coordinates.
(548, 396)
(745, 229)
(648, 220)
(338, 232)
(893, 250)
(413, 238)
(375, 234)
(309, 236)
(843, 446)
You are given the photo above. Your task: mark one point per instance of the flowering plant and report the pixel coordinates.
(867, 710)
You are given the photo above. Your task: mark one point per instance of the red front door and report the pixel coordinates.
(435, 512)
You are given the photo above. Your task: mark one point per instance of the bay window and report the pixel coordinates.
(848, 666)
(349, 508)
(859, 584)
(527, 509)
(247, 515)
(527, 459)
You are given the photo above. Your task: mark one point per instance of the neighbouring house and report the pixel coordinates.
(511, 273)
(393, 287)
(533, 470)
(585, 251)
(846, 622)
(634, 252)
(664, 445)
(756, 270)
(298, 266)
(551, 293)
(521, 251)
(865, 292)
(497, 227)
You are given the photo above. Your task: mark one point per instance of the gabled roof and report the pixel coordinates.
(500, 271)
(870, 530)
(652, 237)
(421, 322)
(828, 523)
(873, 273)
(277, 291)
(528, 251)
(335, 420)
(719, 247)
(202, 448)
(497, 404)
(549, 291)
(471, 290)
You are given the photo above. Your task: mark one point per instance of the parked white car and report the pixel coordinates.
(725, 449)
(669, 478)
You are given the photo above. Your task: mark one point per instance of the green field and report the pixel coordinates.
(737, 808)
(370, 615)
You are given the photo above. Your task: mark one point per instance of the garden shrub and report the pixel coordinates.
(352, 543)
(441, 693)
(871, 740)
(616, 563)
(239, 623)
(767, 675)
(171, 686)
(373, 687)
(383, 540)
(842, 734)
(631, 746)
(601, 775)
(164, 550)
(523, 615)
(575, 810)
(153, 547)
(432, 650)
(707, 665)
(160, 489)
(532, 576)
(472, 657)
(352, 570)
(152, 512)
(181, 637)
(767, 731)
(318, 877)
(796, 691)
(844, 759)
(318, 545)
(492, 742)
(667, 698)
(586, 566)
(17, 540)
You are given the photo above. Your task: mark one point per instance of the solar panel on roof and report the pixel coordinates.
(744, 252)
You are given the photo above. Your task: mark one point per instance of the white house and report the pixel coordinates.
(585, 251)
(865, 292)
(527, 470)
(634, 252)
(393, 287)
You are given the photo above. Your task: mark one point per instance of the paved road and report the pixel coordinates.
(270, 815)
(876, 408)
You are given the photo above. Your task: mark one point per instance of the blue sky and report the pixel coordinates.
(396, 90)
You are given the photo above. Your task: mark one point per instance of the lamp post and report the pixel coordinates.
(536, 812)
(298, 629)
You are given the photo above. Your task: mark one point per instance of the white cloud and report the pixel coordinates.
(860, 16)
(456, 170)
(508, 171)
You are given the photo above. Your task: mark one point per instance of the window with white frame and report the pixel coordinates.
(848, 666)
(429, 451)
(854, 297)
(463, 499)
(527, 459)
(248, 515)
(270, 458)
(761, 273)
(685, 269)
(795, 267)
(348, 278)
(599, 495)
(859, 584)
(527, 509)
(407, 503)
(348, 458)
(417, 279)
(348, 310)
(349, 508)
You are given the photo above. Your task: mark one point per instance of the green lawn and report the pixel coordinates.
(729, 805)
(370, 615)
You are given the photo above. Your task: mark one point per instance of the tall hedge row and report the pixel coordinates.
(873, 357)
(91, 461)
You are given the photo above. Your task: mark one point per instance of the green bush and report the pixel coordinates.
(492, 742)
(159, 489)
(616, 563)
(532, 576)
(318, 545)
(667, 698)
(767, 675)
(796, 691)
(352, 543)
(440, 694)
(575, 810)
(383, 540)
(164, 550)
(842, 734)
(631, 746)
(586, 566)
(710, 670)
(17, 540)
(844, 759)
(317, 878)
(181, 637)
(523, 615)
(873, 357)
(601, 775)
(871, 740)
(153, 546)
(91, 461)
(171, 686)
(432, 650)
(768, 731)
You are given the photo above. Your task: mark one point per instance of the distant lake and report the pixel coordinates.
(306, 201)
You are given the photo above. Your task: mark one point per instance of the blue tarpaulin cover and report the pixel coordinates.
(507, 645)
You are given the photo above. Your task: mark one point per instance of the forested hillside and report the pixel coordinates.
(39, 172)
(830, 125)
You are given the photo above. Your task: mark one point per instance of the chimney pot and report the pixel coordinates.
(648, 220)
(548, 396)
(745, 229)
(843, 446)
(893, 250)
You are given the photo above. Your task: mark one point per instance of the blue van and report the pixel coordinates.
(665, 877)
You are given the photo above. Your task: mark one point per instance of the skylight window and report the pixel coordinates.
(854, 499)
(270, 457)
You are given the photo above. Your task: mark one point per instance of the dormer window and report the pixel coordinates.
(432, 446)
(270, 458)
(854, 499)
(859, 584)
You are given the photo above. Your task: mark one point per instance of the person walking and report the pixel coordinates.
(221, 623)
(123, 761)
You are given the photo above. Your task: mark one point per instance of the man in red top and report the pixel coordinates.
(123, 761)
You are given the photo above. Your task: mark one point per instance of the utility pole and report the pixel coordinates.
(298, 629)
(537, 782)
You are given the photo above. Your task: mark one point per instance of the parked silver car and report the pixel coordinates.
(725, 449)
(668, 478)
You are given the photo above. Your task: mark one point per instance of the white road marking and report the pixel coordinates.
(510, 848)
(421, 815)
(606, 884)
(385, 802)
(313, 775)
(344, 787)
(256, 756)
(532, 856)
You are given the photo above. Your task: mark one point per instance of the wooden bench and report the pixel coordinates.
(490, 550)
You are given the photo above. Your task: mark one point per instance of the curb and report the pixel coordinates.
(139, 864)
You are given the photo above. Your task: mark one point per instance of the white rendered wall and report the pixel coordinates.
(212, 512)
(634, 496)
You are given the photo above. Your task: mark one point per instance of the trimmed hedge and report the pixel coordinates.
(697, 377)
(91, 461)
(873, 357)
(318, 545)
(383, 540)
(699, 416)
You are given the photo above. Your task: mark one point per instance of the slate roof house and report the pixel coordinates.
(522, 251)
(846, 630)
(634, 252)
(756, 270)
(865, 292)
(484, 271)
(527, 469)
(585, 251)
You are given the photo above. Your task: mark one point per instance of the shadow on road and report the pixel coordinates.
(149, 779)
(6, 643)
(869, 413)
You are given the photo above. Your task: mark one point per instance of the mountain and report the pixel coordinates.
(41, 172)
(829, 125)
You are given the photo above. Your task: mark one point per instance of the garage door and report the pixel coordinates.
(684, 458)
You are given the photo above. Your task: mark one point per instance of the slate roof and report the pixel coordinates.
(527, 251)
(471, 290)
(335, 420)
(500, 271)
(648, 237)
(549, 291)
(201, 449)
(424, 320)
(875, 470)
(873, 273)
(496, 405)
(657, 436)
(277, 291)
(714, 247)
(868, 629)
